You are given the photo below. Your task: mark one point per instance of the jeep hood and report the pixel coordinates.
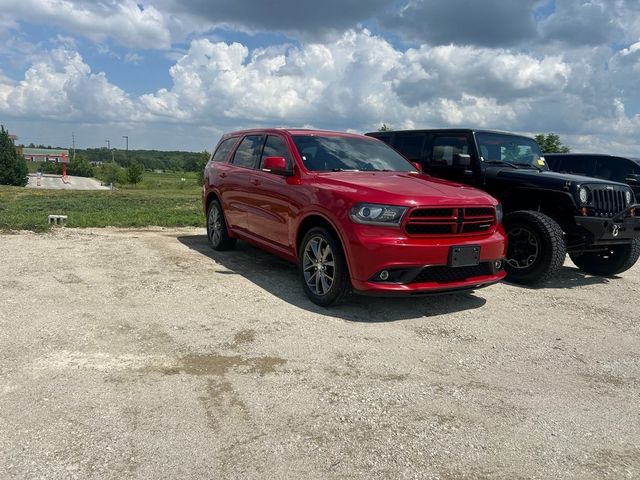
(401, 188)
(541, 179)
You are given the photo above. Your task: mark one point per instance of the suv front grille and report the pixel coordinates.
(450, 221)
(607, 201)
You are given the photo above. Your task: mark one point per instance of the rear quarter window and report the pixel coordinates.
(221, 153)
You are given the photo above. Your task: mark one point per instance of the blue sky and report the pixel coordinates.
(176, 74)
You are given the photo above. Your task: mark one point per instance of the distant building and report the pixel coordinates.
(56, 155)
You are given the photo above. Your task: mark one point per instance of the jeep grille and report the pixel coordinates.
(607, 201)
(450, 221)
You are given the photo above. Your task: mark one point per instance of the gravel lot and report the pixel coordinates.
(143, 354)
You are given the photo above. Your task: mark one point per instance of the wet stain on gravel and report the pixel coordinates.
(69, 279)
(244, 336)
(446, 333)
(222, 401)
(609, 463)
(218, 365)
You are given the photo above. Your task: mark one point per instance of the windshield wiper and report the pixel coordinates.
(344, 169)
(500, 162)
(528, 165)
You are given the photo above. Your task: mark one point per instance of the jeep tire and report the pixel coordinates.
(616, 259)
(536, 247)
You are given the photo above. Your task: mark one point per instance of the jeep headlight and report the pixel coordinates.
(376, 214)
(628, 197)
(583, 193)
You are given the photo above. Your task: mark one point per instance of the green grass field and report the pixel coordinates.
(161, 199)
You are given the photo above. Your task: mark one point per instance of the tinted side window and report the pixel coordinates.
(275, 147)
(576, 165)
(223, 149)
(444, 148)
(616, 169)
(411, 145)
(248, 151)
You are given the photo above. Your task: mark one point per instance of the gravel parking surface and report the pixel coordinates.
(144, 354)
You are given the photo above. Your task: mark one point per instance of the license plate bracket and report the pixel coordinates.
(464, 256)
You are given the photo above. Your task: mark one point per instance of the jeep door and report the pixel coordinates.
(236, 186)
(269, 198)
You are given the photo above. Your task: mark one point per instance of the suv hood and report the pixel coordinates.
(402, 188)
(545, 178)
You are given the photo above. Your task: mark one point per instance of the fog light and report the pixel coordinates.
(498, 264)
(384, 275)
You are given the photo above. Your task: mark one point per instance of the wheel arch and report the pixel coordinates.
(318, 220)
(559, 206)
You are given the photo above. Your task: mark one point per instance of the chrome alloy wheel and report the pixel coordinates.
(214, 223)
(318, 265)
(523, 248)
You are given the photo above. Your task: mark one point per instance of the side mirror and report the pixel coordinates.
(418, 166)
(277, 165)
(462, 160)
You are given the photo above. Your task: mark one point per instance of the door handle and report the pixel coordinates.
(255, 182)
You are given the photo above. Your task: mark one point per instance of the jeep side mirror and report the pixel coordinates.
(462, 160)
(277, 165)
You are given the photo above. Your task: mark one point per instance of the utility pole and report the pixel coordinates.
(109, 149)
(73, 142)
(126, 137)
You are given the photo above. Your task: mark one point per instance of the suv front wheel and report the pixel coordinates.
(323, 268)
(616, 259)
(535, 248)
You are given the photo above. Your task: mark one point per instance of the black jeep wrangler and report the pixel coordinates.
(547, 214)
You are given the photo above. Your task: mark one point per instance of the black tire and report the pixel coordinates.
(617, 259)
(324, 273)
(217, 232)
(536, 248)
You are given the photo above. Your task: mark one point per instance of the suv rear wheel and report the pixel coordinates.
(616, 259)
(323, 269)
(535, 249)
(217, 232)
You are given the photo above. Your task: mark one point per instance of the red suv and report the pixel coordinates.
(352, 213)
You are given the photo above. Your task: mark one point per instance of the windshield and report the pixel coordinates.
(512, 149)
(334, 154)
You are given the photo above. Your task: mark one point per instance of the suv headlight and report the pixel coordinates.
(376, 214)
(583, 193)
(628, 197)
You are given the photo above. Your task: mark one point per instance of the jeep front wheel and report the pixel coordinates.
(535, 247)
(615, 259)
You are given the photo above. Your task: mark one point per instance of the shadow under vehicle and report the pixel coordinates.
(547, 214)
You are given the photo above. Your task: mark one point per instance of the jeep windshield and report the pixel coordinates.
(338, 154)
(510, 150)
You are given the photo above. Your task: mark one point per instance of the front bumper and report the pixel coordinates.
(618, 229)
(423, 262)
